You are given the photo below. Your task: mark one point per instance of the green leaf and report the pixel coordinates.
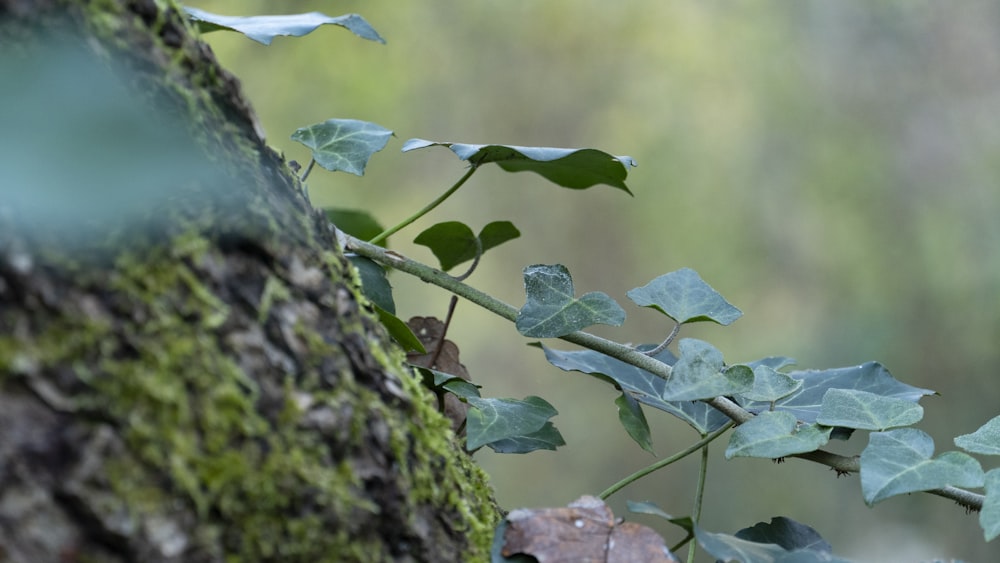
(358, 224)
(343, 144)
(497, 419)
(775, 434)
(989, 516)
(399, 331)
(551, 310)
(851, 408)
(634, 421)
(770, 385)
(374, 283)
(569, 168)
(731, 548)
(263, 29)
(700, 373)
(650, 508)
(787, 533)
(806, 402)
(453, 243)
(449, 382)
(686, 298)
(985, 440)
(647, 388)
(899, 461)
(546, 438)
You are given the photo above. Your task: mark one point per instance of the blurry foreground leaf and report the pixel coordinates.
(263, 29)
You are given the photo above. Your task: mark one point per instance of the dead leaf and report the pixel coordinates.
(583, 532)
(430, 331)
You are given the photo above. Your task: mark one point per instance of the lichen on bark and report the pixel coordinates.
(199, 379)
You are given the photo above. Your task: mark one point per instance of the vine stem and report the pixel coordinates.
(699, 497)
(665, 461)
(427, 208)
(738, 415)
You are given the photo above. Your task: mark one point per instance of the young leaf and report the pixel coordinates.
(985, 440)
(358, 224)
(989, 517)
(805, 403)
(263, 29)
(546, 438)
(700, 373)
(552, 311)
(775, 434)
(850, 408)
(770, 385)
(569, 168)
(498, 419)
(899, 461)
(634, 421)
(686, 298)
(343, 144)
(646, 387)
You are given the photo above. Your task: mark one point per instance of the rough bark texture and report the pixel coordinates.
(198, 380)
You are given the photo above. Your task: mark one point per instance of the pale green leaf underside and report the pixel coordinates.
(343, 144)
(683, 296)
(985, 440)
(989, 516)
(569, 168)
(775, 434)
(850, 408)
(263, 29)
(899, 461)
(551, 310)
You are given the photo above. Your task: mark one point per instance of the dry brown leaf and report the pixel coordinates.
(583, 532)
(429, 330)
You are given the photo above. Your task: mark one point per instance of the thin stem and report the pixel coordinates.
(699, 496)
(427, 209)
(308, 170)
(665, 462)
(663, 345)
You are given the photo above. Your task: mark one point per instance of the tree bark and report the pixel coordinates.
(187, 370)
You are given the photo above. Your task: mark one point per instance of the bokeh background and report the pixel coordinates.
(830, 166)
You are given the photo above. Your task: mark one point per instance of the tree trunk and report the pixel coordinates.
(187, 371)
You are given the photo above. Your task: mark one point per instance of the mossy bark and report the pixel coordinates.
(199, 380)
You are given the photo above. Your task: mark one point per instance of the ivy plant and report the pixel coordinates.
(764, 408)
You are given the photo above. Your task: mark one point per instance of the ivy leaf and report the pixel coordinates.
(453, 242)
(374, 283)
(989, 516)
(497, 419)
(686, 298)
(436, 379)
(732, 548)
(647, 388)
(343, 144)
(569, 168)
(775, 434)
(770, 385)
(787, 533)
(634, 421)
(357, 223)
(899, 461)
(700, 373)
(850, 408)
(546, 438)
(806, 402)
(263, 29)
(399, 331)
(551, 310)
(985, 440)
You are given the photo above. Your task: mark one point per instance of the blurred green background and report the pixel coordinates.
(830, 166)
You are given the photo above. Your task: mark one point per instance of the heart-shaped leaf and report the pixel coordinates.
(498, 419)
(989, 516)
(569, 168)
(850, 408)
(775, 434)
(634, 421)
(646, 387)
(343, 144)
(263, 29)
(686, 298)
(453, 242)
(551, 310)
(985, 440)
(700, 373)
(899, 461)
